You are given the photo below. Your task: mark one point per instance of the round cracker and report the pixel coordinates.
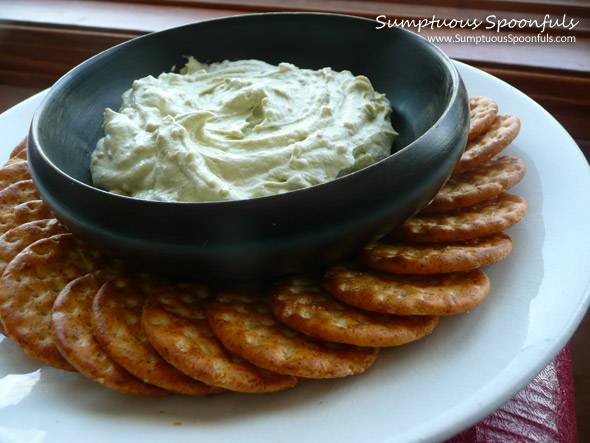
(435, 294)
(23, 213)
(478, 184)
(437, 258)
(244, 323)
(17, 193)
(175, 322)
(497, 137)
(488, 217)
(16, 239)
(30, 285)
(74, 337)
(306, 307)
(14, 171)
(116, 320)
(483, 111)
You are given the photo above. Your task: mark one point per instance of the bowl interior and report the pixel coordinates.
(398, 63)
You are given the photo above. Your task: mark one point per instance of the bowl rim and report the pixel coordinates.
(33, 136)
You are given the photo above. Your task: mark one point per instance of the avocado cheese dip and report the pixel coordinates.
(239, 129)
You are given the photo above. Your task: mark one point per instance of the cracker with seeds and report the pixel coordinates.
(16, 239)
(30, 285)
(436, 294)
(244, 323)
(488, 217)
(175, 322)
(497, 137)
(478, 184)
(74, 337)
(116, 320)
(23, 213)
(305, 306)
(482, 112)
(437, 258)
(14, 171)
(17, 193)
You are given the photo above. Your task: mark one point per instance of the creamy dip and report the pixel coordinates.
(238, 130)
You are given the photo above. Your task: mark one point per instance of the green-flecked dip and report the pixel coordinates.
(239, 129)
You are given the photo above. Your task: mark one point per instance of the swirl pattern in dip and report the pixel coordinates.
(238, 130)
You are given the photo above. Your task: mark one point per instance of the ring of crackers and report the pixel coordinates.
(244, 323)
(306, 307)
(488, 217)
(60, 301)
(433, 294)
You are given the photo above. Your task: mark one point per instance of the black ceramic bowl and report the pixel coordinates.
(269, 235)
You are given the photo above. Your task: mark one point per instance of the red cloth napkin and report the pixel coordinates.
(544, 411)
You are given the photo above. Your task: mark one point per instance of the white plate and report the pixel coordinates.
(426, 391)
